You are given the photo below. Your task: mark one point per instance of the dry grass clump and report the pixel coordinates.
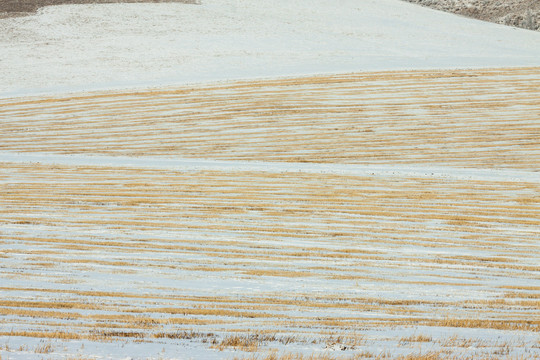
(527, 325)
(361, 355)
(292, 356)
(456, 341)
(345, 342)
(364, 355)
(185, 335)
(442, 355)
(522, 295)
(121, 334)
(251, 342)
(44, 348)
(427, 356)
(47, 335)
(415, 338)
(248, 343)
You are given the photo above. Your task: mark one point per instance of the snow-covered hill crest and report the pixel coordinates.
(82, 47)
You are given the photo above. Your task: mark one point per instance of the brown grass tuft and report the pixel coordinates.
(44, 348)
(415, 338)
(248, 343)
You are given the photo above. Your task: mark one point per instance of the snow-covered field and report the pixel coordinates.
(82, 47)
(370, 214)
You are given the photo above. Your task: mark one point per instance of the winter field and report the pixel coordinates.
(332, 221)
(309, 191)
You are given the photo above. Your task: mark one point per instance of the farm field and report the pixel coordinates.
(363, 215)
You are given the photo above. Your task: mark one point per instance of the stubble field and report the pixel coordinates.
(369, 215)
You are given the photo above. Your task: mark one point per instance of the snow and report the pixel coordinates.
(166, 231)
(178, 164)
(85, 47)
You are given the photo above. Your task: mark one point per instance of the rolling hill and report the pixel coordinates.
(302, 181)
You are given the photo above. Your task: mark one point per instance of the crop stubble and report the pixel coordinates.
(110, 252)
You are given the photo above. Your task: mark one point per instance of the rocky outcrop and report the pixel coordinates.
(518, 13)
(23, 7)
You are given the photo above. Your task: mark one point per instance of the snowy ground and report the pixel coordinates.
(366, 214)
(320, 215)
(83, 47)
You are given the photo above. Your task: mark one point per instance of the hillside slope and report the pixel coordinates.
(355, 216)
(81, 47)
(341, 214)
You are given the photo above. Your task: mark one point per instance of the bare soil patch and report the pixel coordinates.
(24, 7)
(518, 13)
